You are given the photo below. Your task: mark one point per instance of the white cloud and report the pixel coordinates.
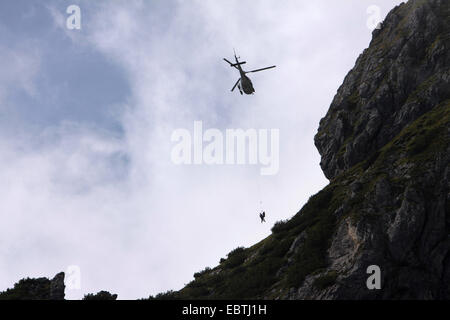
(19, 69)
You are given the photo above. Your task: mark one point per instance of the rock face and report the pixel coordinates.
(57, 287)
(385, 146)
(402, 75)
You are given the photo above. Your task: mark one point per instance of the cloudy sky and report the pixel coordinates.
(86, 118)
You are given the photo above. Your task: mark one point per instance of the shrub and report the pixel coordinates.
(168, 295)
(28, 289)
(280, 226)
(102, 295)
(236, 251)
(236, 257)
(200, 273)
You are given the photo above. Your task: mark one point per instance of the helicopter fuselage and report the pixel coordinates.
(245, 84)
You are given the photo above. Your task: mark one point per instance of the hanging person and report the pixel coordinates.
(262, 215)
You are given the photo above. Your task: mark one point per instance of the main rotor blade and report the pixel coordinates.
(260, 69)
(234, 87)
(228, 62)
(235, 64)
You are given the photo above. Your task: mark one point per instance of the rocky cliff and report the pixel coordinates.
(385, 146)
(402, 75)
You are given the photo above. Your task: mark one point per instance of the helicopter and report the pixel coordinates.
(244, 83)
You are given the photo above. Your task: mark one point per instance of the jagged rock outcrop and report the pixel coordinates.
(57, 287)
(385, 146)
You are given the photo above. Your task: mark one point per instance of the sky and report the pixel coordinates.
(87, 115)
